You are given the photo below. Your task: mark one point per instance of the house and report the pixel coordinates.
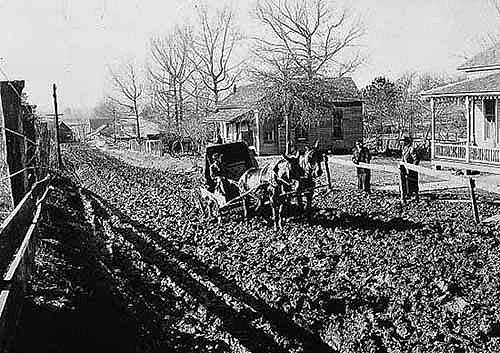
(479, 95)
(245, 115)
(66, 133)
(98, 122)
(126, 128)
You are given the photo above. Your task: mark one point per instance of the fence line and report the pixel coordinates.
(19, 134)
(154, 147)
(469, 182)
(18, 234)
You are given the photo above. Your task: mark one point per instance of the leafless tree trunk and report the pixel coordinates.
(172, 67)
(315, 36)
(128, 90)
(213, 51)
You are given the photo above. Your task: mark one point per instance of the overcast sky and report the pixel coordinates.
(70, 42)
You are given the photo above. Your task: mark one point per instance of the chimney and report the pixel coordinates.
(234, 88)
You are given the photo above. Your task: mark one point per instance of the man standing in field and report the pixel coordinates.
(361, 154)
(409, 177)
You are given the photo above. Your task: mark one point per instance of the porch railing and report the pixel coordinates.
(450, 151)
(459, 152)
(485, 155)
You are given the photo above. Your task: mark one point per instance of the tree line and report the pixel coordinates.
(191, 68)
(396, 108)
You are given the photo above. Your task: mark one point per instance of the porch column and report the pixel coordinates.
(433, 128)
(467, 142)
(257, 131)
(473, 124)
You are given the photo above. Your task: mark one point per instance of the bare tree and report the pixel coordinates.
(313, 34)
(127, 89)
(108, 108)
(171, 69)
(214, 51)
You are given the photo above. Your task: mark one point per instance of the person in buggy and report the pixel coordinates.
(217, 173)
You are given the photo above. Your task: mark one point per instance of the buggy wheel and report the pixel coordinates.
(177, 148)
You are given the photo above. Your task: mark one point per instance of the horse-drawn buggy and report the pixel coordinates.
(234, 180)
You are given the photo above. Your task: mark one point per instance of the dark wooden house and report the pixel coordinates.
(245, 115)
(66, 133)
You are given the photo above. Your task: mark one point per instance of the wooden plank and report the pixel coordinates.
(473, 200)
(13, 228)
(492, 219)
(15, 266)
(494, 169)
(21, 268)
(435, 173)
(426, 187)
(5, 304)
(18, 222)
(488, 186)
(371, 166)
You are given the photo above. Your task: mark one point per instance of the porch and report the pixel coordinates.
(476, 118)
(463, 156)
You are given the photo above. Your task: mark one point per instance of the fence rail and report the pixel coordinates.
(18, 235)
(451, 180)
(154, 147)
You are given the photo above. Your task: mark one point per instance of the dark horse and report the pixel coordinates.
(291, 174)
(310, 166)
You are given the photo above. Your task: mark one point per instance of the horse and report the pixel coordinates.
(272, 183)
(310, 166)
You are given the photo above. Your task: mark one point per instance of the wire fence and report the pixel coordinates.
(25, 157)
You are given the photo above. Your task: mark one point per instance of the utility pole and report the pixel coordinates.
(58, 144)
(114, 123)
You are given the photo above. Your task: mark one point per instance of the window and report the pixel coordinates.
(489, 118)
(269, 132)
(337, 124)
(332, 124)
(268, 136)
(301, 133)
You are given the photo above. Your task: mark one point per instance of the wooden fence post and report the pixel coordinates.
(29, 131)
(328, 176)
(56, 114)
(475, 212)
(10, 92)
(402, 182)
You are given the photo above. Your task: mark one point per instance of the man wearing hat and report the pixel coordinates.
(361, 154)
(217, 173)
(253, 153)
(409, 177)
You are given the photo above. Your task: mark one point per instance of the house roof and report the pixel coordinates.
(486, 58)
(344, 89)
(478, 86)
(244, 96)
(341, 89)
(228, 115)
(127, 127)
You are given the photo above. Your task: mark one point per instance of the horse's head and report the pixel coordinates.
(289, 169)
(310, 162)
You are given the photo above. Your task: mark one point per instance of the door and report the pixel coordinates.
(490, 121)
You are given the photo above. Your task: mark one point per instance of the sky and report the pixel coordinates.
(72, 42)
